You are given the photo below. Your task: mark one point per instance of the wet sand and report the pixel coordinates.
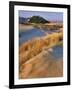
(23, 27)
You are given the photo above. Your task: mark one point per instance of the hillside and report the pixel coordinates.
(37, 19)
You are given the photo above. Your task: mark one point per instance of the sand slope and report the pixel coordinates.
(42, 65)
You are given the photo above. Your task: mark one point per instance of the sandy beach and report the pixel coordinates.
(42, 65)
(23, 27)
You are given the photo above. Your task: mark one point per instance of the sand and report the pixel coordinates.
(41, 66)
(23, 27)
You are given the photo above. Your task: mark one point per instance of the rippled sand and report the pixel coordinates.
(41, 66)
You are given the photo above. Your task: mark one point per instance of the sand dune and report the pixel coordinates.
(42, 65)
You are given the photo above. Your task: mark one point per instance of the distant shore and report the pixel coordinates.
(49, 26)
(23, 27)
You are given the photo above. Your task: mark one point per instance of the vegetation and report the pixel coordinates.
(60, 43)
(38, 19)
(33, 47)
(49, 27)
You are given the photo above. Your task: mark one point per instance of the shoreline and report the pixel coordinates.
(49, 26)
(25, 27)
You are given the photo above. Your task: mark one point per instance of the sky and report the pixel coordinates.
(52, 16)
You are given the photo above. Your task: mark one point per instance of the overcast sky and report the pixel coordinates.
(52, 16)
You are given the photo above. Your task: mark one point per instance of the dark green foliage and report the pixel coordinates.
(37, 19)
